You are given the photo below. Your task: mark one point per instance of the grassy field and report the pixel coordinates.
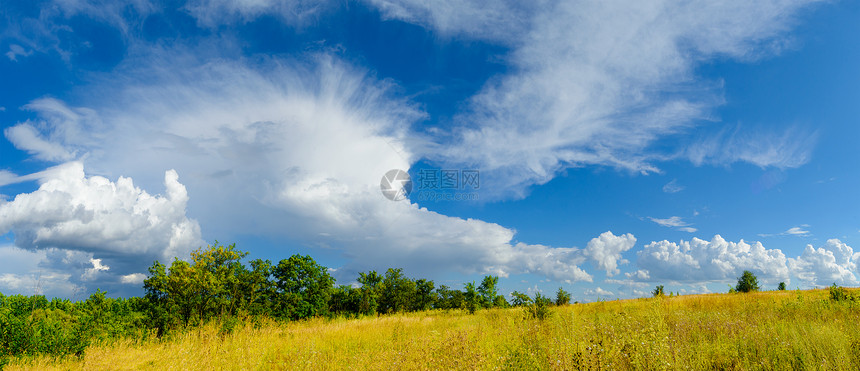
(770, 330)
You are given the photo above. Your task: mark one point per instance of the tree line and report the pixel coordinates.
(216, 285)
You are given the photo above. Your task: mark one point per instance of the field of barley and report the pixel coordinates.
(783, 330)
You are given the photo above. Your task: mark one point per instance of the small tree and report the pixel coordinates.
(540, 308)
(471, 298)
(501, 302)
(562, 297)
(520, 299)
(658, 291)
(747, 282)
(487, 291)
(781, 286)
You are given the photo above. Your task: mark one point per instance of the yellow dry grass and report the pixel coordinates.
(772, 330)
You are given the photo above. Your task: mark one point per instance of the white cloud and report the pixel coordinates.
(212, 13)
(639, 275)
(718, 260)
(598, 292)
(598, 83)
(835, 262)
(52, 27)
(15, 51)
(295, 149)
(494, 20)
(674, 222)
(788, 149)
(94, 226)
(59, 134)
(606, 251)
(26, 137)
(591, 83)
(673, 187)
(26, 272)
(7, 177)
(797, 231)
(92, 274)
(133, 279)
(290, 150)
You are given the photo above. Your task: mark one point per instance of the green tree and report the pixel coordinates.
(501, 302)
(781, 286)
(425, 295)
(449, 299)
(345, 300)
(216, 271)
(539, 309)
(189, 293)
(256, 287)
(562, 297)
(303, 288)
(658, 291)
(488, 291)
(472, 300)
(370, 290)
(398, 292)
(520, 299)
(747, 282)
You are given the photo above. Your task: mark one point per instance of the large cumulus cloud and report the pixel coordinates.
(95, 229)
(717, 260)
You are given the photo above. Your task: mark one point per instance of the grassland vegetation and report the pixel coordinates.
(216, 311)
(776, 330)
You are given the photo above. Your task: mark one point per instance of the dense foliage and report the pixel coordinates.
(31, 325)
(747, 282)
(215, 285)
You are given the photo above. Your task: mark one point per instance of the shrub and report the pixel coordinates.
(562, 297)
(747, 282)
(520, 299)
(539, 309)
(658, 291)
(838, 293)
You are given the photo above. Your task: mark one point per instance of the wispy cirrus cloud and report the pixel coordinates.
(799, 231)
(789, 148)
(598, 83)
(673, 187)
(674, 222)
(213, 13)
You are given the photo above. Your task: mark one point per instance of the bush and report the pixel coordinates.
(539, 309)
(562, 297)
(747, 282)
(520, 299)
(658, 291)
(838, 293)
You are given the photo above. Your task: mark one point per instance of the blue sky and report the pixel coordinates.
(620, 145)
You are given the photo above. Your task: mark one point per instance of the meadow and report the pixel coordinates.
(783, 330)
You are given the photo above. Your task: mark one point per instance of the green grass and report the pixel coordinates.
(783, 330)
